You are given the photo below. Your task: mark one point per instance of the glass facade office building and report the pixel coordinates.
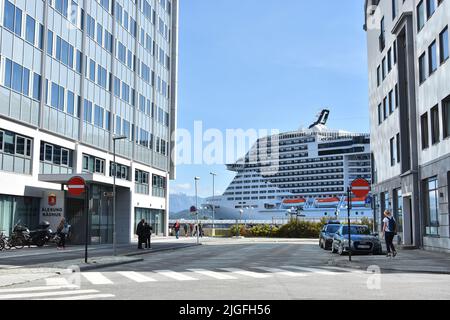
(73, 75)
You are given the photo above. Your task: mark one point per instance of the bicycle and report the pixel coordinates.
(4, 242)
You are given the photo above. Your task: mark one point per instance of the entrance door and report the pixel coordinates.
(408, 233)
(75, 217)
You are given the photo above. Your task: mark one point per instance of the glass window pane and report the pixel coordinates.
(18, 22)
(17, 75)
(26, 82)
(20, 145)
(31, 29)
(8, 18)
(48, 153)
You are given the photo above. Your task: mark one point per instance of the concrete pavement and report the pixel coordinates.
(235, 269)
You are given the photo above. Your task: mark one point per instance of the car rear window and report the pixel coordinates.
(333, 228)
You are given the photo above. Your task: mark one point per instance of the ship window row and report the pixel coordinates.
(355, 140)
(314, 160)
(337, 169)
(297, 141)
(311, 178)
(321, 190)
(437, 54)
(311, 184)
(296, 155)
(313, 166)
(342, 151)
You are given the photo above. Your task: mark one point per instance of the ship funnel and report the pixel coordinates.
(321, 119)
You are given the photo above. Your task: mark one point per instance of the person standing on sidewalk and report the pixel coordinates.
(147, 235)
(390, 230)
(62, 231)
(140, 233)
(177, 227)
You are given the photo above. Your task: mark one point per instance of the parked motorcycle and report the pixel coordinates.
(41, 235)
(19, 237)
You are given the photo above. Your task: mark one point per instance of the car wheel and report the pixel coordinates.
(341, 250)
(320, 244)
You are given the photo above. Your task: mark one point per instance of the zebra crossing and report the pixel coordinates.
(63, 292)
(203, 274)
(84, 285)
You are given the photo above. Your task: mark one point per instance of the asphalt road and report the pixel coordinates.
(236, 270)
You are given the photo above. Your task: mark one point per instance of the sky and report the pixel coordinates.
(266, 64)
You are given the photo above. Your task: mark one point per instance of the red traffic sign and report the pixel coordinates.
(76, 186)
(360, 188)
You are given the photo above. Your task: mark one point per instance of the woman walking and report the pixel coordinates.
(390, 230)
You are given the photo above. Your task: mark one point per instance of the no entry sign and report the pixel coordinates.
(76, 186)
(360, 188)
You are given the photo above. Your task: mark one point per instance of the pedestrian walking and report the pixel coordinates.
(62, 230)
(200, 228)
(186, 230)
(147, 235)
(390, 230)
(140, 233)
(177, 227)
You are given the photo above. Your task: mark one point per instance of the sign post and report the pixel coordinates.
(76, 187)
(360, 188)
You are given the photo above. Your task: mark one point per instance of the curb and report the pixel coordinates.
(161, 249)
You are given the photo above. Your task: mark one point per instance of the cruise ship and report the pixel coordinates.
(303, 173)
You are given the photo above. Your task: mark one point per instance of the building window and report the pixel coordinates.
(431, 207)
(431, 8)
(385, 108)
(422, 68)
(391, 102)
(392, 149)
(93, 165)
(398, 148)
(420, 15)
(432, 58)
(398, 210)
(158, 186)
(389, 60)
(443, 45)
(446, 117)
(435, 133)
(30, 31)
(383, 66)
(394, 9)
(424, 126)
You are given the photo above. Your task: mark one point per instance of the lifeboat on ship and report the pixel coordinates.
(294, 202)
(328, 202)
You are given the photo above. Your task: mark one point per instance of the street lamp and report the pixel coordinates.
(196, 208)
(114, 191)
(213, 205)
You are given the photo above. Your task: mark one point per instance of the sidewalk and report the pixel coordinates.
(411, 261)
(29, 264)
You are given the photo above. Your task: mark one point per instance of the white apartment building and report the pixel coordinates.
(73, 76)
(409, 88)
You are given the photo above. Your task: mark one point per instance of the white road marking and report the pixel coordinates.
(5, 266)
(96, 278)
(212, 274)
(175, 275)
(57, 282)
(85, 297)
(282, 272)
(246, 273)
(137, 277)
(343, 269)
(45, 294)
(43, 288)
(312, 270)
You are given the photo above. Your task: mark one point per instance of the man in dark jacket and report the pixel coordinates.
(140, 233)
(147, 235)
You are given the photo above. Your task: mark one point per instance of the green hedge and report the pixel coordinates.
(294, 229)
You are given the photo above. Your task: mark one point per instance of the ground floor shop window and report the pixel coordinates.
(398, 209)
(18, 209)
(154, 217)
(431, 206)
